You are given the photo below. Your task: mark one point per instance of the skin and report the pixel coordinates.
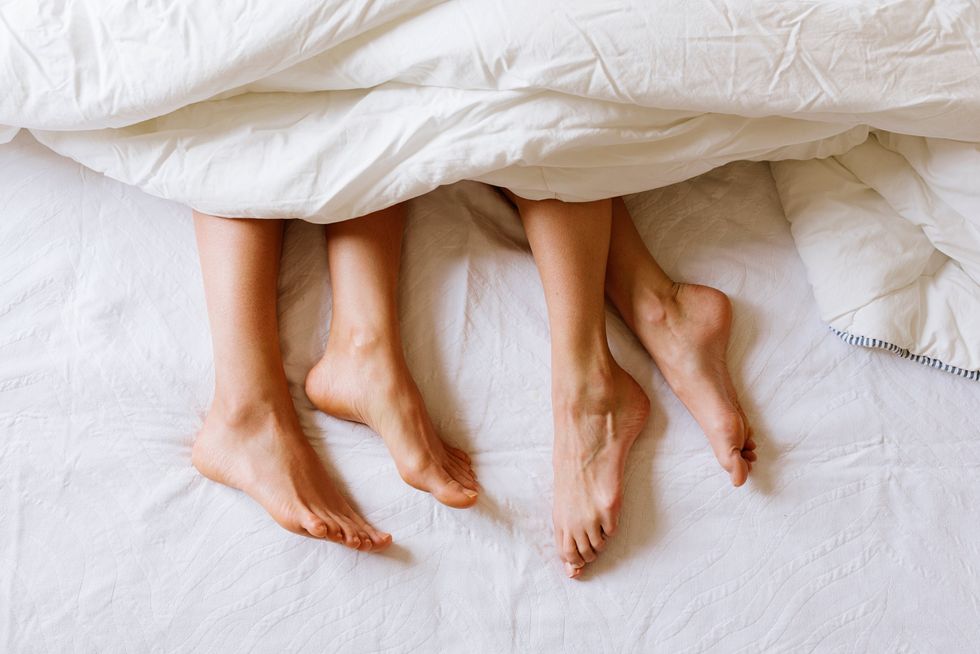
(363, 376)
(598, 409)
(686, 329)
(251, 439)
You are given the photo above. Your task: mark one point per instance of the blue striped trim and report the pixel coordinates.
(864, 341)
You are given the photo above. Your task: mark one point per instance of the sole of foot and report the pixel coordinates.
(687, 336)
(261, 450)
(371, 385)
(595, 427)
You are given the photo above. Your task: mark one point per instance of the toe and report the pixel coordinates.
(749, 455)
(351, 538)
(449, 491)
(456, 495)
(585, 547)
(381, 539)
(595, 538)
(333, 529)
(334, 532)
(315, 526)
(738, 468)
(463, 475)
(572, 571)
(377, 540)
(570, 553)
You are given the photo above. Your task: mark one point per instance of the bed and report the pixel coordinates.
(857, 531)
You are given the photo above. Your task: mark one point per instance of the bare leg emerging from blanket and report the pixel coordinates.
(363, 375)
(598, 408)
(251, 439)
(685, 328)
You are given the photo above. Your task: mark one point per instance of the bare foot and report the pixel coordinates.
(260, 449)
(596, 423)
(370, 383)
(687, 336)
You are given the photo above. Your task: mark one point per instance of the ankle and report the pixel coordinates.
(653, 305)
(363, 340)
(239, 408)
(584, 383)
(650, 305)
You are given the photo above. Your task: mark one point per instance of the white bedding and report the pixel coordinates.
(329, 110)
(857, 532)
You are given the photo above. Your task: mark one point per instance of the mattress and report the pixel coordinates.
(857, 531)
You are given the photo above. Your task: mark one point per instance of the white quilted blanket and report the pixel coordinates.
(328, 110)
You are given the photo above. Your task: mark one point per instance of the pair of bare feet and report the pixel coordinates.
(256, 444)
(597, 422)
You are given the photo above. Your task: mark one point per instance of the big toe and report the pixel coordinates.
(454, 494)
(737, 467)
(381, 540)
(435, 479)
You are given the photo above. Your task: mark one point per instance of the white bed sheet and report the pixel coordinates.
(857, 532)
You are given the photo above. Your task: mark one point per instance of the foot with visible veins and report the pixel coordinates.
(258, 447)
(597, 418)
(366, 380)
(686, 330)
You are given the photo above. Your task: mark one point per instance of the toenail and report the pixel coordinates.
(469, 493)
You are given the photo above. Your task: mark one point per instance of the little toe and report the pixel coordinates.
(315, 526)
(571, 570)
(333, 529)
(749, 455)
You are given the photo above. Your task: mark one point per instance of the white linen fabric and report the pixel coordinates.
(856, 533)
(329, 110)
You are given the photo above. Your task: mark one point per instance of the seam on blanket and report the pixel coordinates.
(864, 341)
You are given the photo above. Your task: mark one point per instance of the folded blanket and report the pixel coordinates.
(330, 110)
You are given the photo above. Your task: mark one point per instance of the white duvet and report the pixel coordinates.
(329, 110)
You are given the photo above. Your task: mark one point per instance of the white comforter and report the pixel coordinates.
(328, 110)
